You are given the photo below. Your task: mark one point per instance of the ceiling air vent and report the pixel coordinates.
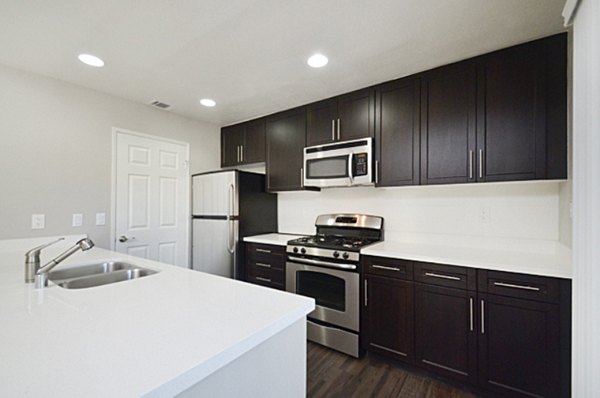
(160, 105)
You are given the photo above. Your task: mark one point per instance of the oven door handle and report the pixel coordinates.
(321, 262)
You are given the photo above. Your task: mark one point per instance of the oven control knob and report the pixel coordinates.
(303, 250)
(345, 255)
(295, 250)
(336, 254)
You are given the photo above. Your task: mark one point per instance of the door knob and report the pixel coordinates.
(124, 239)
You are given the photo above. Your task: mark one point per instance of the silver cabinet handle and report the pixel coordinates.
(434, 275)
(366, 299)
(263, 251)
(263, 265)
(524, 287)
(258, 278)
(241, 153)
(338, 128)
(470, 165)
(377, 172)
(238, 153)
(384, 267)
(471, 314)
(482, 317)
(481, 163)
(301, 177)
(332, 129)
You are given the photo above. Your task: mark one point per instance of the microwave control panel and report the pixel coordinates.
(360, 164)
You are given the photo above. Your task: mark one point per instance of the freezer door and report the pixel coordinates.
(215, 194)
(213, 243)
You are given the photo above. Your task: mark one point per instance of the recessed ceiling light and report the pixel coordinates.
(208, 102)
(91, 60)
(317, 61)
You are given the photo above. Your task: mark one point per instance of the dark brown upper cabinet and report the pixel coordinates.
(521, 112)
(286, 134)
(397, 132)
(243, 143)
(448, 127)
(342, 118)
(498, 117)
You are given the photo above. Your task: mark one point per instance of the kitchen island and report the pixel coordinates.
(176, 332)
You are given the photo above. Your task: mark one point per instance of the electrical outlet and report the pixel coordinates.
(77, 220)
(100, 218)
(38, 221)
(484, 214)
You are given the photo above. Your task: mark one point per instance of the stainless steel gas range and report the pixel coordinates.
(326, 267)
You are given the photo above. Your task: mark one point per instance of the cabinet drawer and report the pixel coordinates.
(391, 267)
(445, 275)
(266, 277)
(260, 262)
(258, 250)
(510, 284)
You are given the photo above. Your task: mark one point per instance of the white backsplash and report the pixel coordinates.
(457, 214)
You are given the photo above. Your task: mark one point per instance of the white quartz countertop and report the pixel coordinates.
(553, 260)
(153, 336)
(272, 239)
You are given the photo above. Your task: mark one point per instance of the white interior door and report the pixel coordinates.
(151, 217)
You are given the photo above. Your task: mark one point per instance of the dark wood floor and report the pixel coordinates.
(332, 374)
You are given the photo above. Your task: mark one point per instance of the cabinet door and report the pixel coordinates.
(232, 140)
(519, 346)
(397, 133)
(388, 309)
(448, 129)
(285, 145)
(511, 138)
(356, 112)
(254, 141)
(445, 331)
(321, 119)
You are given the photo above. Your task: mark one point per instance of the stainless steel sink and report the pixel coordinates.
(87, 270)
(98, 274)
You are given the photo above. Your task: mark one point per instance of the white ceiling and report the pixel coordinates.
(250, 55)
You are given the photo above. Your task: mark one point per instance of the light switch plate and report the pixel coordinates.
(100, 218)
(38, 221)
(77, 219)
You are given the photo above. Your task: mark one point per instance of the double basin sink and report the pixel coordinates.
(93, 275)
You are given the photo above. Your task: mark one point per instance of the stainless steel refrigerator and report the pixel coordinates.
(227, 206)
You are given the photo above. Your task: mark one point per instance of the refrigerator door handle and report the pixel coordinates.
(230, 242)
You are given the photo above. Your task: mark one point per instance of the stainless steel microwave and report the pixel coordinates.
(340, 164)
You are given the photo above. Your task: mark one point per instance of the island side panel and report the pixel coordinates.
(274, 368)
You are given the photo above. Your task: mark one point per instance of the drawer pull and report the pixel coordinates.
(263, 251)
(263, 265)
(260, 278)
(434, 275)
(384, 267)
(532, 288)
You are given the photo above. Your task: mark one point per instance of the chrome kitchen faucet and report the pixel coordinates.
(41, 276)
(32, 260)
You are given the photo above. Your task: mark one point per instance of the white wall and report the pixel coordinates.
(586, 197)
(516, 211)
(55, 151)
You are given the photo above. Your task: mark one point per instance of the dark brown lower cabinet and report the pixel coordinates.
(445, 331)
(389, 323)
(506, 333)
(519, 346)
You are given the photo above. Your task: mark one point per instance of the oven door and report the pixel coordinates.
(335, 292)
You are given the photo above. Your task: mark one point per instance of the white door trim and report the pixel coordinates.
(113, 186)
